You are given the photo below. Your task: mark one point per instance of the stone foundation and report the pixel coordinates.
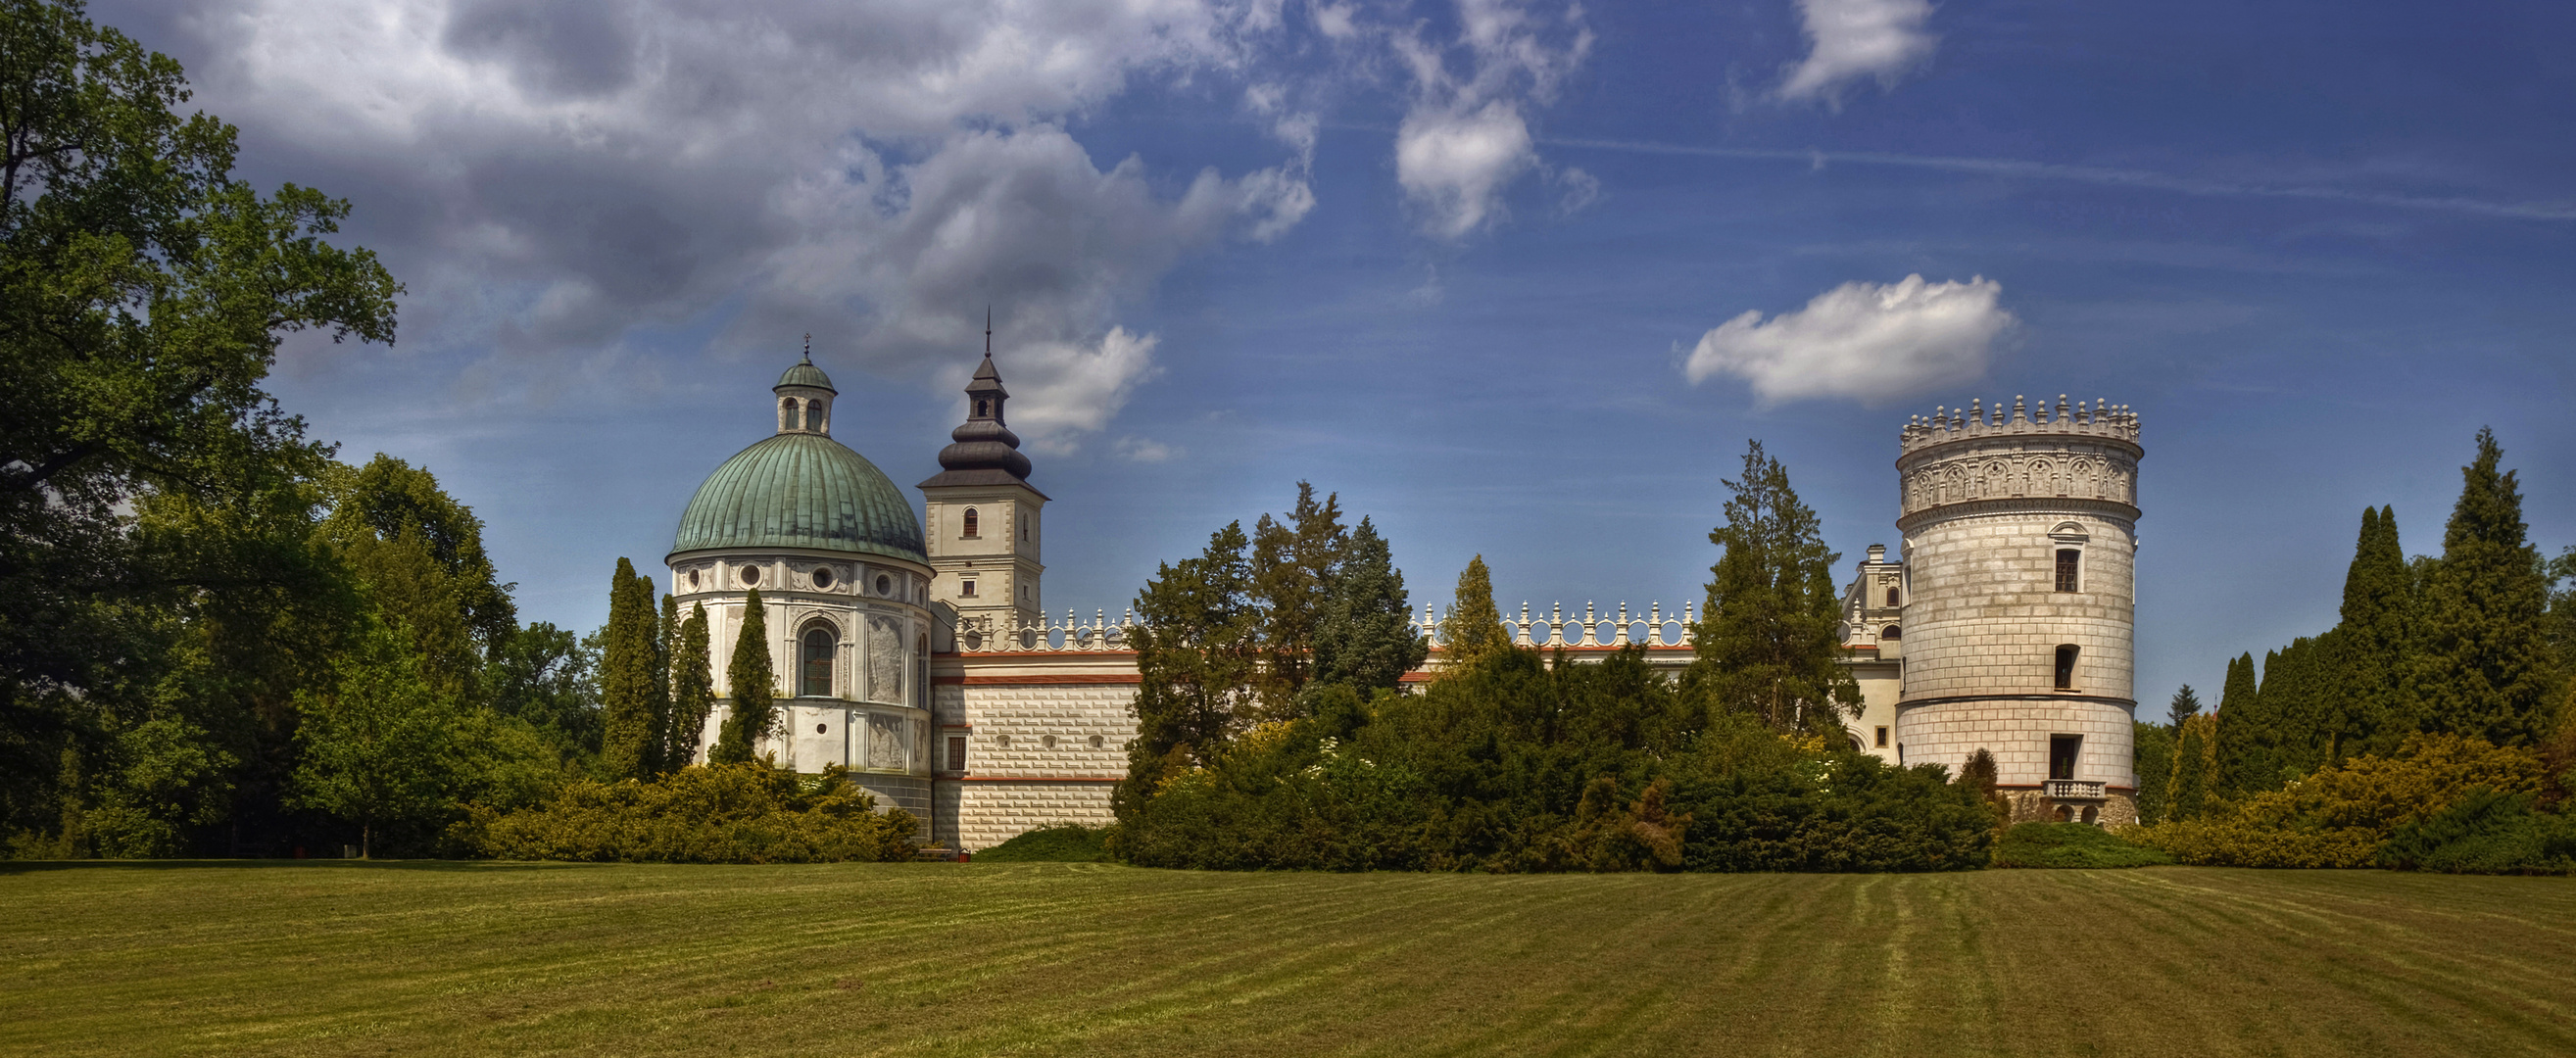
(2116, 809)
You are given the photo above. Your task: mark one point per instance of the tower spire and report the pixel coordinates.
(988, 331)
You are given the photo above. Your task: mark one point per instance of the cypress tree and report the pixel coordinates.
(665, 630)
(2240, 742)
(1766, 642)
(628, 747)
(752, 686)
(2194, 762)
(2294, 697)
(2483, 664)
(2184, 706)
(1474, 627)
(2368, 712)
(692, 688)
(1366, 639)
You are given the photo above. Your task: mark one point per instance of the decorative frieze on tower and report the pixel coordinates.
(2020, 531)
(982, 516)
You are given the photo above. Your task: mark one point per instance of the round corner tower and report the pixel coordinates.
(2020, 535)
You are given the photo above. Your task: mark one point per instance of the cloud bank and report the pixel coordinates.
(1863, 341)
(1851, 39)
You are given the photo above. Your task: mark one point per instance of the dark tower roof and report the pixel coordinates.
(984, 451)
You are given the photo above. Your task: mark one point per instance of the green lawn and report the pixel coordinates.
(417, 959)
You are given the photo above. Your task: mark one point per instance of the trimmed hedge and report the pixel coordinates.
(724, 813)
(2071, 845)
(1070, 843)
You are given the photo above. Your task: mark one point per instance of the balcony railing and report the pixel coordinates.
(2072, 790)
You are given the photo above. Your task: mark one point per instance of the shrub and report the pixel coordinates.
(1070, 843)
(2071, 845)
(1840, 812)
(2486, 832)
(725, 813)
(2342, 815)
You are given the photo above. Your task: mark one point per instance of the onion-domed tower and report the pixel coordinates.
(2020, 537)
(836, 552)
(983, 516)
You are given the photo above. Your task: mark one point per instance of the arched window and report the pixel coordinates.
(816, 673)
(814, 415)
(1891, 632)
(970, 522)
(787, 413)
(983, 408)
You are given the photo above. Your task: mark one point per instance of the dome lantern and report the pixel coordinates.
(805, 397)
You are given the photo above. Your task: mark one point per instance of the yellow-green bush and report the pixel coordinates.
(725, 813)
(2342, 815)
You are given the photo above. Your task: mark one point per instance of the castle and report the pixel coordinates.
(916, 650)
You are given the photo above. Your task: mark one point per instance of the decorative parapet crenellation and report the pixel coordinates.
(1595, 627)
(1944, 425)
(1982, 457)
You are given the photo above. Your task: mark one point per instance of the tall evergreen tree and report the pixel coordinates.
(692, 688)
(2241, 743)
(1296, 565)
(2195, 763)
(2369, 711)
(2483, 664)
(2152, 761)
(629, 742)
(666, 648)
(2184, 706)
(1198, 650)
(753, 687)
(1473, 629)
(1766, 642)
(2295, 698)
(1366, 638)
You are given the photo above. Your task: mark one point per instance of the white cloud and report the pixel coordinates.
(1852, 39)
(1464, 140)
(1145, 450)
(551, 175)
(1861, 340)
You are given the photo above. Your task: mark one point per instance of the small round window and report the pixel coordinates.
(693, 578)
(885, 584)
(751, 574)
(823, 577)
(822, 729)
(1095, 742)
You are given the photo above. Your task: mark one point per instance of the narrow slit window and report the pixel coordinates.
(2066, 668)
(1882, 738)
(2068, 560)
(957, 753)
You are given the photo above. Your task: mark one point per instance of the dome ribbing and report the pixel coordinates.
(801, 490)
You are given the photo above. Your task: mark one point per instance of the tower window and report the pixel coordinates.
(966, 588)
(817, 670)
(2066, 667)
(787, 414)
(1882, 738)
(2067, 560)
(983, 408)
(1024, 529)
(1891, 596)
(2062, 753)
(970, 523)
(813, 415)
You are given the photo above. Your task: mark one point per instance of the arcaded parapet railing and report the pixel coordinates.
(1652, 627)
(2114, 421)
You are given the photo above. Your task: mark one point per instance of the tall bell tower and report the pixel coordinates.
(982, 515)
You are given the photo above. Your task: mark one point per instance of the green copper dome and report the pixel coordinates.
(806, 374)
(801, 490)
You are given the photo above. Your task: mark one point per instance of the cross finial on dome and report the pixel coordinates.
(988, 330)
(809, 347)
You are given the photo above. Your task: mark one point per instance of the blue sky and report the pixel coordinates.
(1481, 268)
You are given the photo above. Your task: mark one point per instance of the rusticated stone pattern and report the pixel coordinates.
(992, 812)
(2016, 732)
(1982, 615)
(910, 793)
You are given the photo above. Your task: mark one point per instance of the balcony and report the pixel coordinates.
(2071, 790)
